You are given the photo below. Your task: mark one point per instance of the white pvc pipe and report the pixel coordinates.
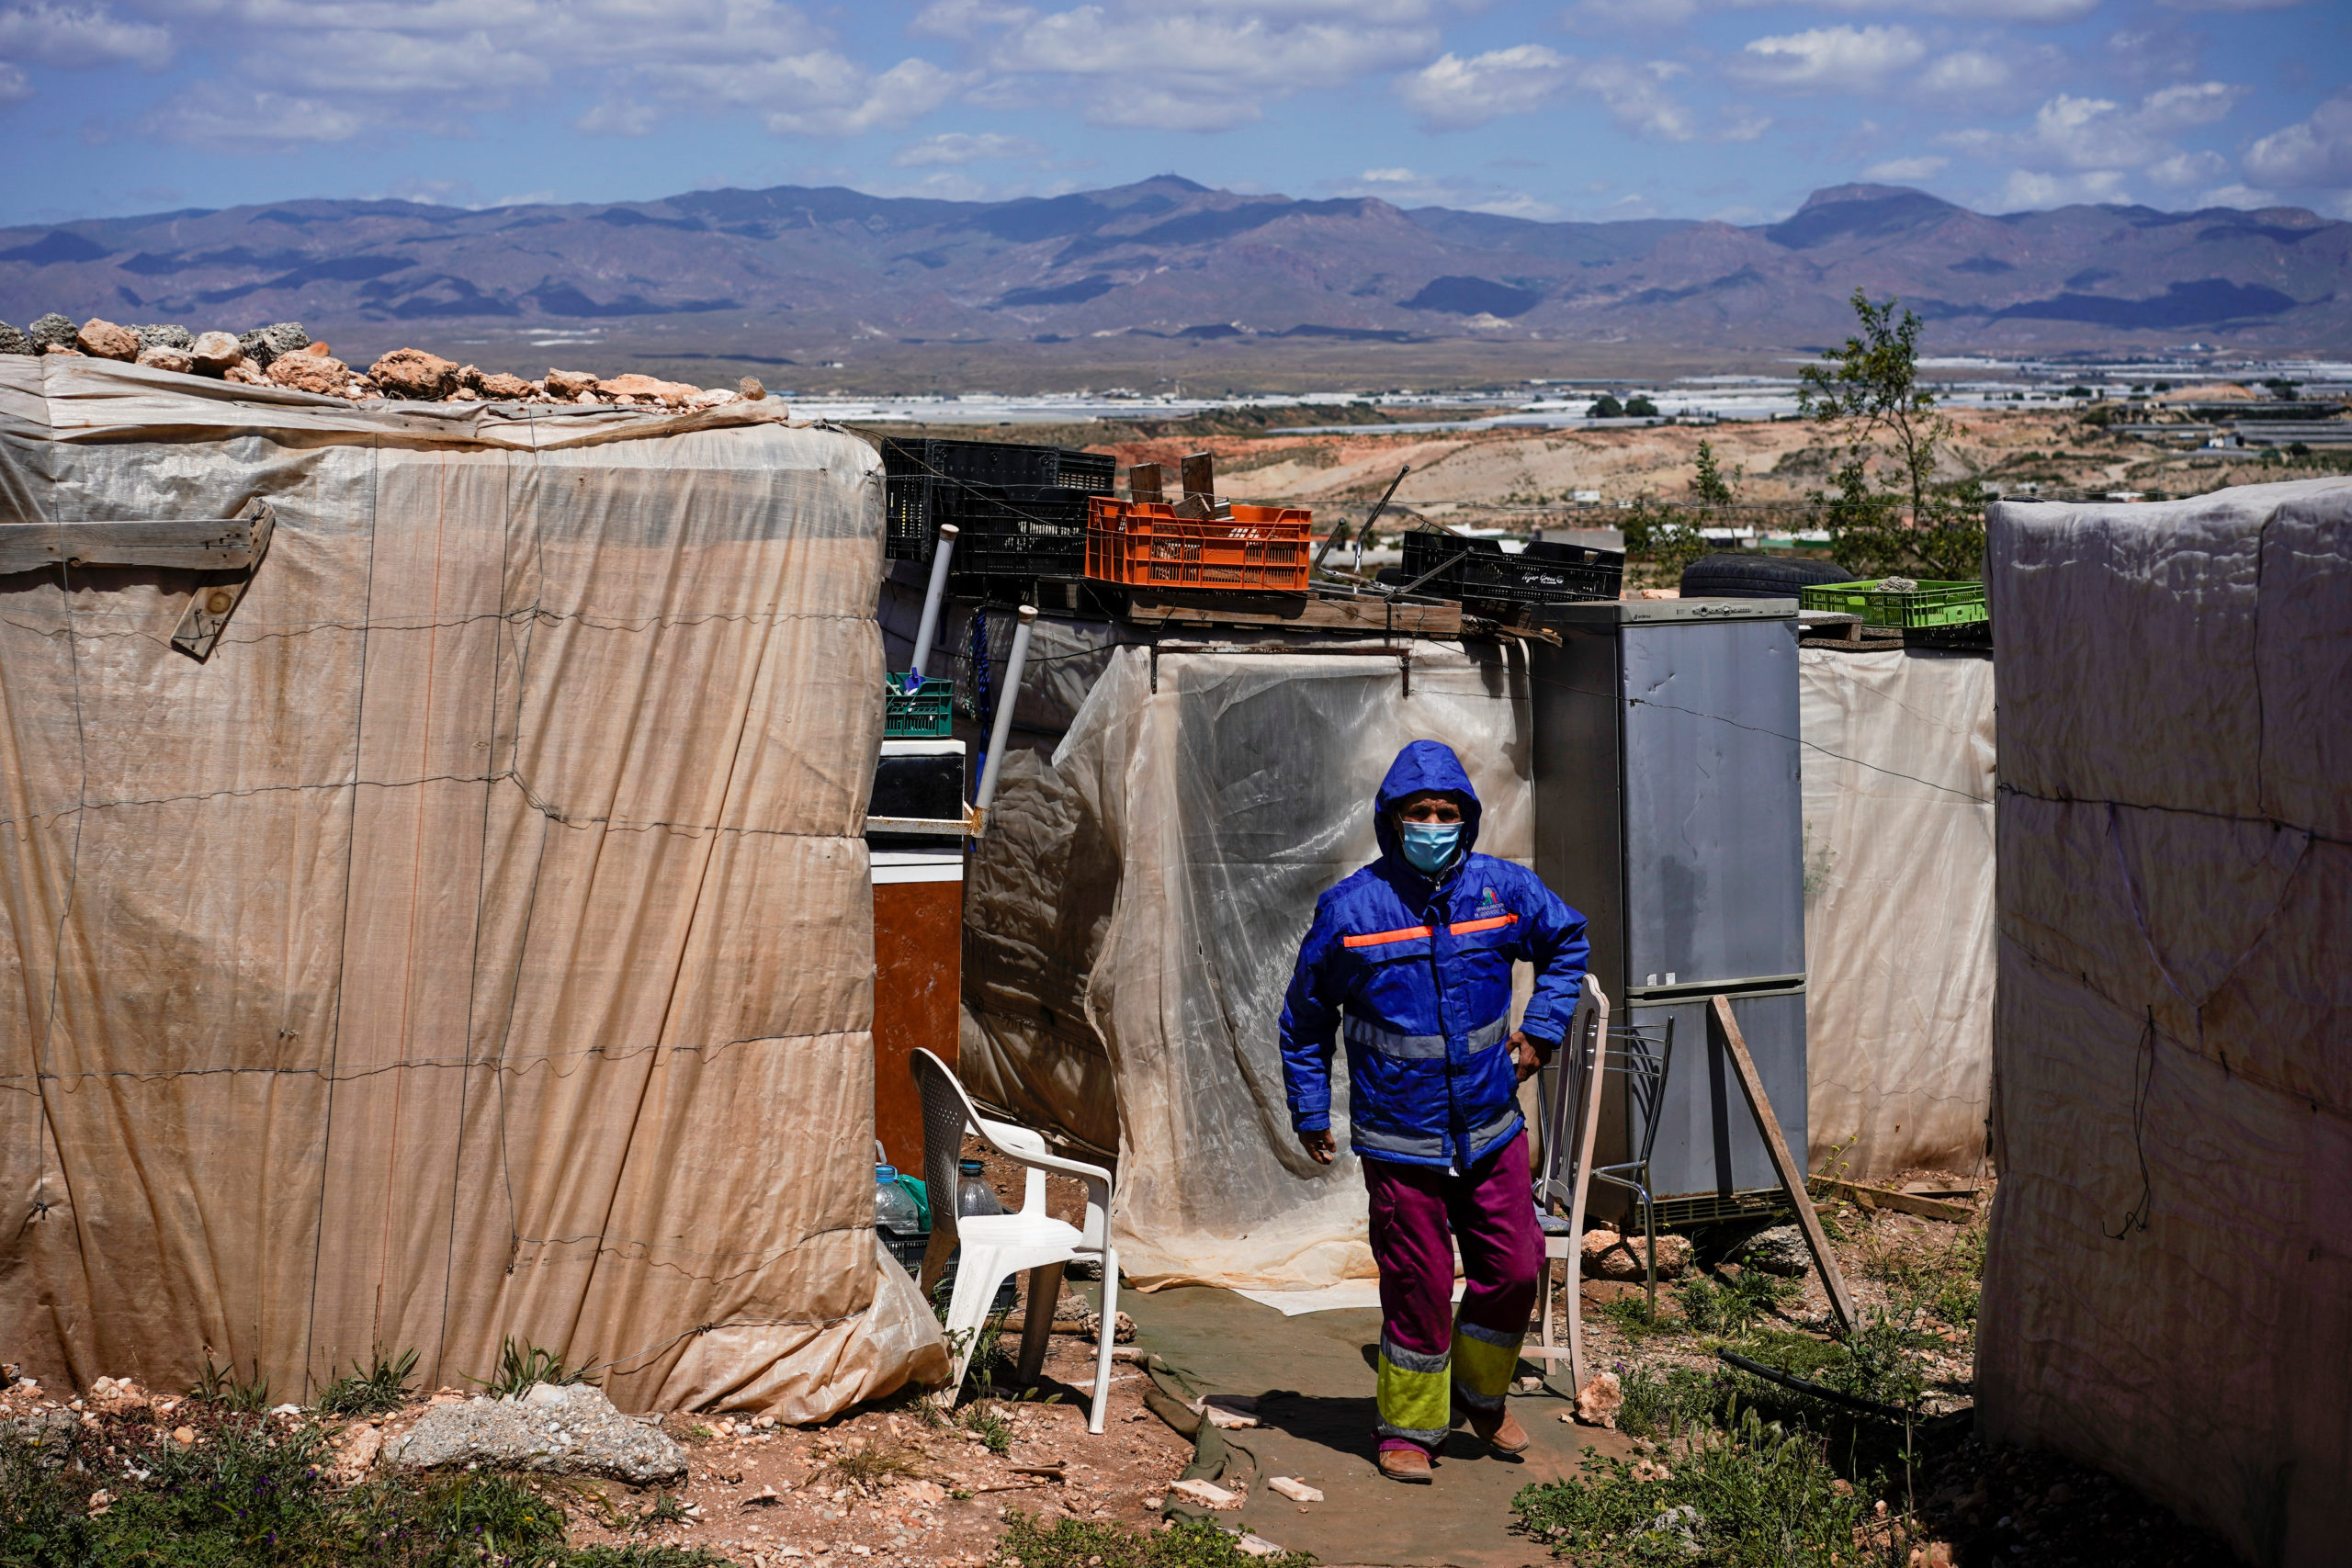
(931, 599)
(1007, 695)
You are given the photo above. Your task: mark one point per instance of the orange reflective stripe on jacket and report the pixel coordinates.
(1459, 928)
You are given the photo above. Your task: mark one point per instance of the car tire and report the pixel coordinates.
(1749, 575)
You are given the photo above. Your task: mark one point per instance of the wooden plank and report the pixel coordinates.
(1146, 482)
(206, 544)
(1369, 616)
(1199, 470)
(208, 613)
(1793, 1181)
(1887, 1198)
(1588, 1136)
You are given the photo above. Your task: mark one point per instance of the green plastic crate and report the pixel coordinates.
(924, 715)
(1928, 605)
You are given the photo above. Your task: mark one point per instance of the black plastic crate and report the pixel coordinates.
(929, 483)
(1020, 531)
(1546, 572)
(1969, 637)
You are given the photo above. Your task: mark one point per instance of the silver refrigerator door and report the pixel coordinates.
(1714, 883)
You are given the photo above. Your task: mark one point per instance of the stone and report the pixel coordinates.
(749, 388)
(1255, 1545)
(413, 372)
(1779, 1250)
(505, 389)
(305, 372)
(184, 1435)
(1599, 1400)
(469, 376)
(50, 330)
(567, 1430)
(160, 337)
(105, 340)
(63, 352)
(1608, 1256)
(1297, 1491)
(1207, 1493)
(361, 1442)
(243, 373)
(162, 358)
(265, 344)
(929, 1494)
(569, 384)
(668, 394)
(214, 352)
(13, 341)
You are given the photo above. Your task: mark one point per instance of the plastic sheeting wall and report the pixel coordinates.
(1136, 907)
(1898, 822)
(2168, 1292)
(481, 942)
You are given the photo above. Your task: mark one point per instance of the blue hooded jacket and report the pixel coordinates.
(1420, 969)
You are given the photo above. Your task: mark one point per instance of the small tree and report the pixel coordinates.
(1708, 484)
(1640, 407)
(1871, 387)
(1605, 406)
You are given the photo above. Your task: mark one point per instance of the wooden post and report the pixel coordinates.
(1145, 482)
(1587, 1134)
(1791, 1173)
(1199, 470)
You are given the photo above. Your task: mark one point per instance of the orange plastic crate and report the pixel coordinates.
(1261, 549)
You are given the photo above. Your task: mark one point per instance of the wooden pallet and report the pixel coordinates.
(1370, 617)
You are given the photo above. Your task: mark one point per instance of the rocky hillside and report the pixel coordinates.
(797, 274)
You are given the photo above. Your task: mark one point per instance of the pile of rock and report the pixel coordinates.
(284, 356)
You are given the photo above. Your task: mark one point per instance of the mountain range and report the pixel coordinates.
(809, 276)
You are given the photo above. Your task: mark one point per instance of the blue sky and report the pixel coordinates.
(1595, 108)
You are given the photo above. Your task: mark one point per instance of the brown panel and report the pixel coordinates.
(918, 972)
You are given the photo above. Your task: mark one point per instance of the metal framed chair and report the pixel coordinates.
(997, 1246)
(1642, 1052)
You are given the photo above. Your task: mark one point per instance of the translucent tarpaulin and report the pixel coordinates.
(1898, 834)
(2168, 1292)
(479, 943)
(1136, 907)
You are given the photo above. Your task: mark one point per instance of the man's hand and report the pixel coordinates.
(1318, 1146)
(1528, 1054)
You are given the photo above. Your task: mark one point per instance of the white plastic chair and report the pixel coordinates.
(997, 1247)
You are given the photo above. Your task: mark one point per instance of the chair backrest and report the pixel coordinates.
(1643, 1053)
(948, 1115)
(1561, 1089)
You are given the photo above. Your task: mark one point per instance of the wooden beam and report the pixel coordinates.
(1369, 616)
(1146, 482)
(1587, 1139)
(208, 613)
(1887, 1198)
(1792, 1182)
(204, 544)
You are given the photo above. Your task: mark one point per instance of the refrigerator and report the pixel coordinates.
(1667, 811)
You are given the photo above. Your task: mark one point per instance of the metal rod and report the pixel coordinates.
(1007, 695)
(931, 600)
(1443, 566)
(1333, 536)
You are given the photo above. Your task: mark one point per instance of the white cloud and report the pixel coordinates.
(1829, 60)
(1454, 94)
(2032, 188)
(81, 37)
(2312, 154)
(2095, 133)
(2041, 12)
(1965, 70)
(14, 88)
(213, 114)
(957, 148)
(1193, 65)
(2238, 196)
(1405, 188)
(1907, 171)
(2232, 4)
(2184, 171)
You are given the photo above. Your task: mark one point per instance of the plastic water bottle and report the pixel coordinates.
(894, 1211)
(973, 1194)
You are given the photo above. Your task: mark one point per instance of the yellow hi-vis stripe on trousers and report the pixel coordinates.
(1414, 1399)
(1484, 1360)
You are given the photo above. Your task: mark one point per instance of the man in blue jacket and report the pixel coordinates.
(1416, 951)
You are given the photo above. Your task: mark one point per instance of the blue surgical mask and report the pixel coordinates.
(1430, 846)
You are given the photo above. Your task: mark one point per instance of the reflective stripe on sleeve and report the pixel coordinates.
(1496, 922)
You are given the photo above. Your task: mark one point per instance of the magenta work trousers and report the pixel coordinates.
(1431, 1357)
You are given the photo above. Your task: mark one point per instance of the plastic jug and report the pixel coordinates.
(894, 1211)
(973, 1194)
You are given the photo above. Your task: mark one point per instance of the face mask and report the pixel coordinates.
(1429, 846)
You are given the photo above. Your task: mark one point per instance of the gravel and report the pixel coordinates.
(13, 341)
(53, 331)
(553, 1430)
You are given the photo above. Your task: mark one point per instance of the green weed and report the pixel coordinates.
(371, 1390)
(1074, 1543)
(877, 1461)
(1633, 1319)
(220, 1387)
(1736, 1306)
(522, 1365)
(1755, 1497)
(666, 1510)
(993, 1430)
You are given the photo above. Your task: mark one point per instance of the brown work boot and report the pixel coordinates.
(1500, 1429)
(1406, 1464)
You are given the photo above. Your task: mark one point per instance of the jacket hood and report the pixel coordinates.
(1424, 765)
